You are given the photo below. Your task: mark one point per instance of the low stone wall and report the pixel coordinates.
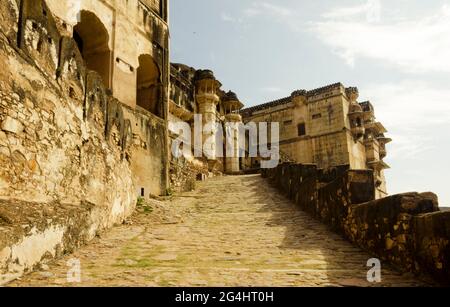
(33, 233)
(408, 230)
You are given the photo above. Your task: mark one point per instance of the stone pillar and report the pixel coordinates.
(207, 99)
(232, 106)
(232, 163)
(355, 114)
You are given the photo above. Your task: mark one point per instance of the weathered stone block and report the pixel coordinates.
(336, 197)
(432, 243)
(12, 125)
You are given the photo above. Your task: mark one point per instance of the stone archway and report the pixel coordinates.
(148, 86)
(92, 39)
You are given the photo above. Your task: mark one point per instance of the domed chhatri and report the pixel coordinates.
(205, 74)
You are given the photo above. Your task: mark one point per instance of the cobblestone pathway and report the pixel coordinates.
(232, 231)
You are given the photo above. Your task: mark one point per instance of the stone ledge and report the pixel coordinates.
(34, 233)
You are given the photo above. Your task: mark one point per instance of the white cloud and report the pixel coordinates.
(408, 146)
(226, 17)
(410, 104)
(414, 112)
(281, 14)
(371, 10)
(412, 45)
(265, 8)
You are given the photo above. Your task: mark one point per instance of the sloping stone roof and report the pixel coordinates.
(230, 96)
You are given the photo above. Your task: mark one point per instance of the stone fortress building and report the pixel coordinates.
(85, 104)
(126, 44)
(199, 92)
(327, 127)
(87, 98)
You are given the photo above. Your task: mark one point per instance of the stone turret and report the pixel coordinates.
(206, 93)
(299, 97)
(355, 113)
(232, 107)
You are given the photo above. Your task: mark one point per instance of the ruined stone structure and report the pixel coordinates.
(83, 121)
(198, 92)
(327, 127)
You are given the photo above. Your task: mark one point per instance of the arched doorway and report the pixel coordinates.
(148, 86)
(92, 39)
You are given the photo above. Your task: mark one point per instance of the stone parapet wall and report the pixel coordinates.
(407, 230)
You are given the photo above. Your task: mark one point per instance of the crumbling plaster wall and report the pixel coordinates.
(149, 163)
(66, 144)
(54, 115)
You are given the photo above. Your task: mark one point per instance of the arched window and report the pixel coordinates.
(148, 86)
(92, 39)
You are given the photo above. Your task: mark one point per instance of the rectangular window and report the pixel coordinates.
(317, 116)
(301, 129)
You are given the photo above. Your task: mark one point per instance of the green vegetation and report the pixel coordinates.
(143, 205)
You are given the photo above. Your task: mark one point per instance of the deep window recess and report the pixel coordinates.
(301, 129)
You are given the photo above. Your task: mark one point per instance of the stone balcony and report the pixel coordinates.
(233, 117)
(358, 132)
(180, 112)
(377, 165)
(376, 127)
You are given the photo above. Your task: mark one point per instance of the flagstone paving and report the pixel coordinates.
(230, 231)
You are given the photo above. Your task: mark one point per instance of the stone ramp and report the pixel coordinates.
(231, 231)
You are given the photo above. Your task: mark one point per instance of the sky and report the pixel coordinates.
(397, 52)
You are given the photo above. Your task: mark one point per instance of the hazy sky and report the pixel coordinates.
(396, 52)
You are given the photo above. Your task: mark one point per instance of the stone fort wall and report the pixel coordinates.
(407, 230)
(73, 157)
